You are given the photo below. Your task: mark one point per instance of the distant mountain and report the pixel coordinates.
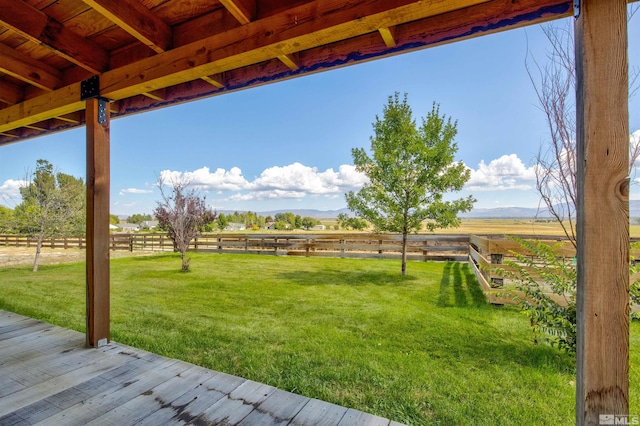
(495, 213)
(506, 213)
(528, 213)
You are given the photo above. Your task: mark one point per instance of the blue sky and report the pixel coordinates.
(288, 145)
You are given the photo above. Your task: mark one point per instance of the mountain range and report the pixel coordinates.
(494, 213)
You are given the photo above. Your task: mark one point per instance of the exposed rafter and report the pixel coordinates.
(388, 35)
(29, 70)
(10, 93)
(315, 35)
(36, 26)
(243, 10)
(137, 20)
(290, 61)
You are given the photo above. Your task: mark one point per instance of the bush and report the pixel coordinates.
(539, 278)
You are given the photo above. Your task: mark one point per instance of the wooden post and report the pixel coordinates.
(98, 188)
(603, 211)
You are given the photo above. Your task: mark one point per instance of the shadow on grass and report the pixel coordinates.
(351, 278)
(458, 279)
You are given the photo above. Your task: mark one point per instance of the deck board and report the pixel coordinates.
(47, 377)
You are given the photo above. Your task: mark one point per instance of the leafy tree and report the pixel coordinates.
(182, 213)
(138, 218)
(410, 169)
(354, 223)
(281, 225)
(52, 205)
(297, 221)
(222, 221)
(309, 222)
(113, 219)
(6, 219)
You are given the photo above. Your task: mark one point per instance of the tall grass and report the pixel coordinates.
(420, 349)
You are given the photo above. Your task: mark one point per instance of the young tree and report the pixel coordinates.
(113, 219)
(410, 169)
(52, 205)
(222, 221)
(183, 213)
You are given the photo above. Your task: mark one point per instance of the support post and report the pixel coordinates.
(98, 187)
(603, 211)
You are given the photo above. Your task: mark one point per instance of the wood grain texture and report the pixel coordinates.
(36, 26)
(62, 382)
(98, 188)
(263, 67)
(243, 10)
(138, 21)
(25, 68)
(603, 210)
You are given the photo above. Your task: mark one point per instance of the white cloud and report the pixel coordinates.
(301, 178)
(10, 191)
(292, 181)
(135, 191)
(505, 173)
(204, 179)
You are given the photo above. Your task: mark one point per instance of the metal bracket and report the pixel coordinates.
(103, 104)
(90, 88)
(576, 8)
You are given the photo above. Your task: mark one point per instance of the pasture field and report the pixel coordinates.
(505, 226)
(420, 349)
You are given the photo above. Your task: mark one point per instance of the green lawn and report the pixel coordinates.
(423, 349)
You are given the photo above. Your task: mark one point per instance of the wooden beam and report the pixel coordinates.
(215, 80)
(29, 70)
(53, 104)
(603, 210)
(290, 61)
(98, 187)
(70, 118)
(318, 23)
(10, 93)
(133, 17)
(388, 35)
(243, 10)
(36, 26)
(484, 18)
(157, 95)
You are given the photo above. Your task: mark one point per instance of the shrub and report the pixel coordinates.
(542, 279)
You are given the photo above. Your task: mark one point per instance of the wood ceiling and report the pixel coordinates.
(154, 53)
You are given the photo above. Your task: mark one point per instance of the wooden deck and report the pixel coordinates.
(48, 377)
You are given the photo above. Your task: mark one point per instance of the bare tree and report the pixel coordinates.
(183, 213)
(555, 87)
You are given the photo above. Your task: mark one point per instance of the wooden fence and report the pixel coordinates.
(356, 245)
(487, 253)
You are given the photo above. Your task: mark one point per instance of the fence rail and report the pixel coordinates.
(483, 253)
(385, 246)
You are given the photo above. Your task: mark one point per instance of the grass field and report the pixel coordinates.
(423, 349)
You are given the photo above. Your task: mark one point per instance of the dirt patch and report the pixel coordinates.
(23, 256)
